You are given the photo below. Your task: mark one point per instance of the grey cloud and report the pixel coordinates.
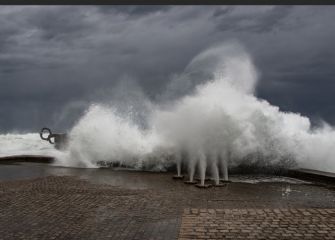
(132, 10)
(56, 60)
(222, 11)
(63, 24)
(257, 22)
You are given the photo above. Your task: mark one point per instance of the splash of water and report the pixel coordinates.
(220, 122)
(25, 144)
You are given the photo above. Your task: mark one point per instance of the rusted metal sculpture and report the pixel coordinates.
(60, 140)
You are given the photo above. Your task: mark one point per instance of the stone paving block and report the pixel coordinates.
(216, 221)
(66, 207)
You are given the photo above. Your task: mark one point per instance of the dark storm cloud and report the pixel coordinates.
(134, 10)
(246, 21)
(56, 60)
(67, 24)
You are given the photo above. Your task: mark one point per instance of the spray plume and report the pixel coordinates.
(219, 122)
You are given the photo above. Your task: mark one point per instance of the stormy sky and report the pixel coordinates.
(56, 60)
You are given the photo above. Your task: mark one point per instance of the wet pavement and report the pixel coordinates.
(39, 201)
(258, 224)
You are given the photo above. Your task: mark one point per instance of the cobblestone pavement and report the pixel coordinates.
(77, 207)
(258, 224)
